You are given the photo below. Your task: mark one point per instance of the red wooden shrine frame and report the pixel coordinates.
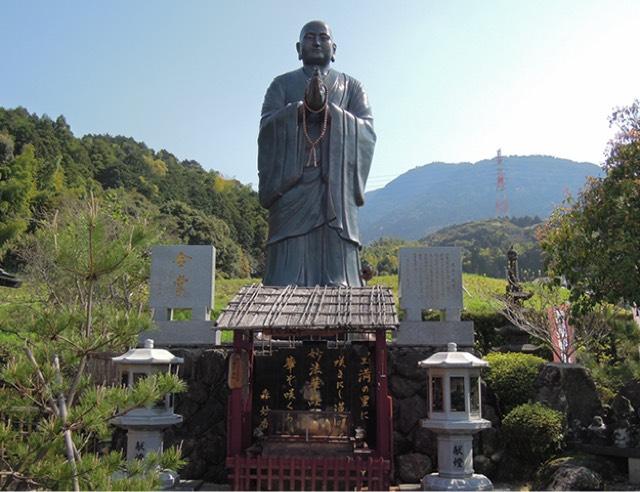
(321, 473)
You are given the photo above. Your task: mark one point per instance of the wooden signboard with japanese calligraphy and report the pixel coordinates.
(315, 377)
(238, 370)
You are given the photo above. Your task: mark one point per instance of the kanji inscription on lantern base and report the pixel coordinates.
(182, 279)
(430, 278)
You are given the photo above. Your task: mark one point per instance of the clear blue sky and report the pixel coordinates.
(448, 80)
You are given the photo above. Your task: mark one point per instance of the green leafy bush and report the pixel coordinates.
(614, 360)
(511, 377)
(532, 433)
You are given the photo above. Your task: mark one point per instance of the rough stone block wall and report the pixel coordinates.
(203, 434)
(414, 448)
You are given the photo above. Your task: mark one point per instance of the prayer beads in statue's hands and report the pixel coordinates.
(315, 94)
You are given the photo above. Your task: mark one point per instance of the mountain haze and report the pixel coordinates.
(437, 195)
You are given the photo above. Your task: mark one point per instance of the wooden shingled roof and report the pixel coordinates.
(264, 308)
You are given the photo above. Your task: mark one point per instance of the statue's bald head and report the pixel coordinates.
(316, 46)
(315, 26)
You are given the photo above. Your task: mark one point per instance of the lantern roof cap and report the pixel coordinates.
(453, 358)
(147, 355)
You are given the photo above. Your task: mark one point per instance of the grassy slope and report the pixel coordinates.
(477, 290)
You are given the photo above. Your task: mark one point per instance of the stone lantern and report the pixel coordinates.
(145, 425)
(453, 383)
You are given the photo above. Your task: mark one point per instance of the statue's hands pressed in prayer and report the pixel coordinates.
(315, 94)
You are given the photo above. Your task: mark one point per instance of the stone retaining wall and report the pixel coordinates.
(203, 434)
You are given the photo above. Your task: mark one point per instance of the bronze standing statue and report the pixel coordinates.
(315, 148)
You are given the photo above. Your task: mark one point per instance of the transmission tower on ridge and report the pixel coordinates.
(502, 202)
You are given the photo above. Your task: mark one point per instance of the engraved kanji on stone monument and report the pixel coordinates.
(182, 286)
(431, 278)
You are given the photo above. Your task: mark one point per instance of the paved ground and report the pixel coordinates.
(506, 486)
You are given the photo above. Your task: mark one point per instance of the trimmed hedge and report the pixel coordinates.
(511, 376)
(533, 433)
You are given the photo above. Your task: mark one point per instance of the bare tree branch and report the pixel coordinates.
(533, 318)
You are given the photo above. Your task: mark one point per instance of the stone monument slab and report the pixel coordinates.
(182, 278)
(435, 333)
(431, 278)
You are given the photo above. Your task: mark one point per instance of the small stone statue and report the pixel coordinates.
(514, 290)
(597, 431)
(576, 432)
(367, 271)
(622, 434)
(621, 409)
(360, 442)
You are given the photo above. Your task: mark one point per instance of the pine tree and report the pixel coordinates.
(87, 271)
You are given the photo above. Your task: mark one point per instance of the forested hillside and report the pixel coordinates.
(485, 245)
(42, 163)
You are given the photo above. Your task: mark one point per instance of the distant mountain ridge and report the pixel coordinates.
(437, 195)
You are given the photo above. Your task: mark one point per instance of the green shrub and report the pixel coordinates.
(511, 377)
(532, 433)
(614, 361)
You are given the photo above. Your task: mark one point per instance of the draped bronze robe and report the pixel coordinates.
(313, 211)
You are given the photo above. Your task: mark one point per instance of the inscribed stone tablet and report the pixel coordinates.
(182, 277)
(435, 333)
(431, 278)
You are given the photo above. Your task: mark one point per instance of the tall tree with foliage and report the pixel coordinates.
(17, 190)
(594, 241)
(85, 269)
(382, 254)
(193, 227)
